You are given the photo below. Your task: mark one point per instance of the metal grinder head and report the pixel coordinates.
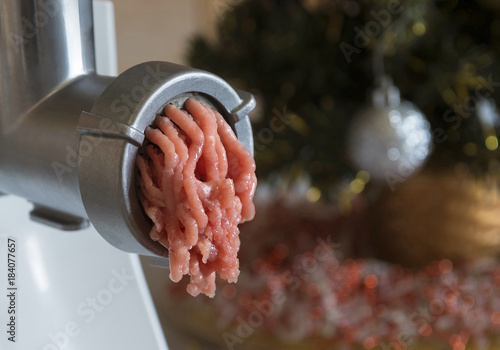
(113, 132)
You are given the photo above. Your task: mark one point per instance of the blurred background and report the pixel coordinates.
(376, 140)
(160, 29)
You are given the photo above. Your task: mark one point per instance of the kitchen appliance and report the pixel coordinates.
(69, 135)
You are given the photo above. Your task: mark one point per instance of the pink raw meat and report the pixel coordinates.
(197, 184)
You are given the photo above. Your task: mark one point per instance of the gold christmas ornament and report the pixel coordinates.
(438, 215)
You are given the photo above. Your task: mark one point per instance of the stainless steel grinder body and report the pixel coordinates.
(69, 138)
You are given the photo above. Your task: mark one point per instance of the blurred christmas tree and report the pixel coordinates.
(310, 64)
(313, 64)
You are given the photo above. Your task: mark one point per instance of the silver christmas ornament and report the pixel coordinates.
(390, 138)
(487, 113)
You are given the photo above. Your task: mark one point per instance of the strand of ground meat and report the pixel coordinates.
(197, 183)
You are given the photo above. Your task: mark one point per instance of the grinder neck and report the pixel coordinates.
(43, 45)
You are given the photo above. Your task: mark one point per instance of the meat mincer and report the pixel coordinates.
(70, 278)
